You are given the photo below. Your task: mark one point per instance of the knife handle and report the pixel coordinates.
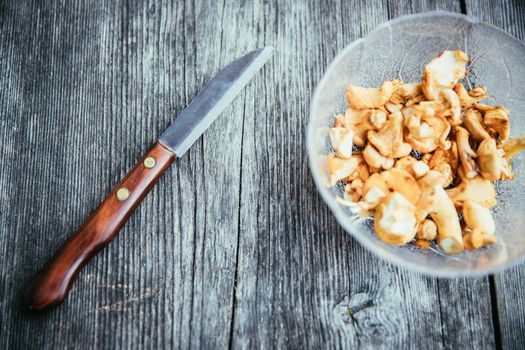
(52, 284)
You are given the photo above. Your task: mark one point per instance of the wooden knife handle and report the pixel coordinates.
(52, 284)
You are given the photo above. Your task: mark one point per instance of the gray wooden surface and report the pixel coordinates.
(234, 248)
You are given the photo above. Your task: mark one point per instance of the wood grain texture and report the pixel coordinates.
(509, 306)
(51, 285)
(233, 248)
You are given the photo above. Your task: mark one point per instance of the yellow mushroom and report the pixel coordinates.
(434, 201)
(443, 72)
(389, 140)
(492, 162)
(341, 168)
(478, 189)
(473, 121)
(365, 98)
(395, 219)
(496, 121)
(466, 154)
(479, 224)
(469, 98)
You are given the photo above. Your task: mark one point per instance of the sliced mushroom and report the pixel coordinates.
(341, 168)
(469, 98)
(473, 123)
(395, 219)
(373, 158)
(434, 201)
(443, 72)
(496, 122)
(492, 162)
(478, 189)
(389, 140)
(466, 154)
(366, 98)
(341, 140)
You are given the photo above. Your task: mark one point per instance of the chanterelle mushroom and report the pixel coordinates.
(434, 201)
(373, 158)
(478, 189)
(340, 168)
(474, 124)
(341, 140)
(453, 107)
(466, 154)
(402, 182)
(395, 219)
(357, 121)
(366, 98)
(513, 147)
(492, 162)
(443, 72)
(427, 230)
(405, 91)
(468, 99)
(496, 122)
(480, 223)
(426, 133)
(389, 140)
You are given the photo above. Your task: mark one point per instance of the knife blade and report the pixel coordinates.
(51, 285)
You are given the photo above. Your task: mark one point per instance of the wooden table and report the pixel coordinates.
(234, 247)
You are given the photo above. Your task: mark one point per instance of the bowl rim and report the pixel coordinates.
(378, 251)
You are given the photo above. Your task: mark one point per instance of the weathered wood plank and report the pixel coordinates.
(509, 311)
(234, 247)
(300, 279)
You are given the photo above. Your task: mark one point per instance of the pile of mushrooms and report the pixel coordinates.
(421, 157)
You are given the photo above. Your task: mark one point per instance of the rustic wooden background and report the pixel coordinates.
(234, 248)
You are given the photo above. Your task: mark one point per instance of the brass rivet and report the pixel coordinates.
(122, 194)
(149, 162)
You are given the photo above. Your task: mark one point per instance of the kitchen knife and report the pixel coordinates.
(52, 284)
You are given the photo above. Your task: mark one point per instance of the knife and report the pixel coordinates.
(52, 284)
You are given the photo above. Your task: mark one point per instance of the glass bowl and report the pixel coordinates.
(399, 49)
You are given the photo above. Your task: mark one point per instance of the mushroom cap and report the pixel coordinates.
(496, 122)
(389, 140)
(359, 122)
(478, 189)
(473, 122)
(434, 201)
(444, 71)
(468, 99)
(341, 168)
(366, 98)
(375, 159)
(395, 220)
(492, 163)
(341, 140)
(478, 218)
(513, 146)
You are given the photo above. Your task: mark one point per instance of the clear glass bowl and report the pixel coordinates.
(399, 49)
